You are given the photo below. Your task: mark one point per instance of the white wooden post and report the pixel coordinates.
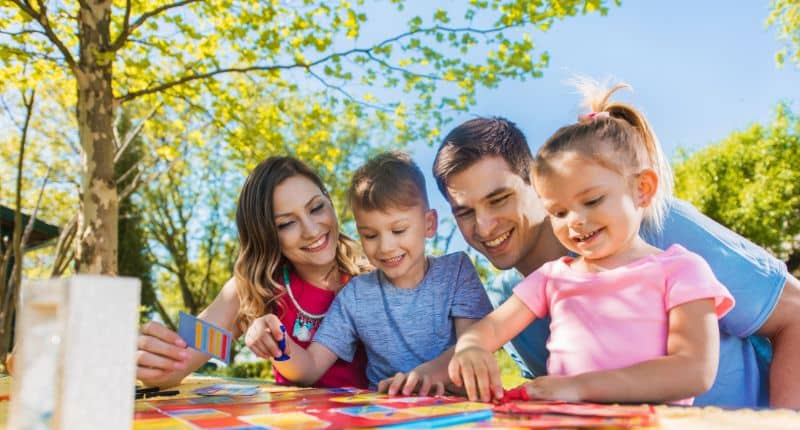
(76, 354)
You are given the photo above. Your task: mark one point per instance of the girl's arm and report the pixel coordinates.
(162, 357)
(304, 366)
(688, 369)
(473, 366)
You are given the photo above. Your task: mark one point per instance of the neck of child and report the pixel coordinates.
(634, 249)
(327, 277)
(546, 247)
(413, 279)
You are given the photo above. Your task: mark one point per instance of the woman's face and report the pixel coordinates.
(308, 230)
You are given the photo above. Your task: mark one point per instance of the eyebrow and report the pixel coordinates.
(308, 203)
(587, 190)
(496, 192)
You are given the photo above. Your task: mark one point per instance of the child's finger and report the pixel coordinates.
(412, 380)
(439, 389)
(468, 378)
(383, 385)
(397, 383)
(495, 383)
(454, 372)
(482, 379)
(425, 388)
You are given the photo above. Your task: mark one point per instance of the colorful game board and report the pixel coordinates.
(307, 409)
(276, 407)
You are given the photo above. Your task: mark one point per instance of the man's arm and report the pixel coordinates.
(783, 329)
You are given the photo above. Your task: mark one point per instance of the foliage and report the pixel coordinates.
(785, 15)
(750, 182)
(196, 58)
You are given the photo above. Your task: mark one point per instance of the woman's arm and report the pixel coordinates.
(163, 359)
(688, 369)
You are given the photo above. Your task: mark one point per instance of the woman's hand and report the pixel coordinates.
(476, 370)
(161, 353)
(263, 335)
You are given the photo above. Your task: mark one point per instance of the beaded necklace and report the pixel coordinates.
(305, 322)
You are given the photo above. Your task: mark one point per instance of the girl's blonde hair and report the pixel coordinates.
(260, 262)
(618, 137)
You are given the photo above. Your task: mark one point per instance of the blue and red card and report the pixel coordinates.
(205, 337)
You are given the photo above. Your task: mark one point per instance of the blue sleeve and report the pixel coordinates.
(469, 300)
(337, 330)
(753, 276)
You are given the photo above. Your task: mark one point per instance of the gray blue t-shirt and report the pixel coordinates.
(753, 276)
(402, 328)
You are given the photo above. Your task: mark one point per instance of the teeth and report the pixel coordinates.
(498, 241)
(318, 243)
(585, 236)
(393, 259)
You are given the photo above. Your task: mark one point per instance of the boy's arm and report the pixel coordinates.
(304, 366)
(688, 369)
(783, 329)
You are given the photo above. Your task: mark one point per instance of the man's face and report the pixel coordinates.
(497, 212)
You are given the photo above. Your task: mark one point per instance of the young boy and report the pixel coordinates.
(410, 310)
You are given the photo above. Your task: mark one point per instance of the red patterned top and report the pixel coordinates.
(316, 300)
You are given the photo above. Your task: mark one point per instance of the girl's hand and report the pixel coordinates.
(263, 335)
(566, 388)
(423, 379)
(160, 353)
(476, 370)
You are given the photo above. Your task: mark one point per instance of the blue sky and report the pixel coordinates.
(700, 70)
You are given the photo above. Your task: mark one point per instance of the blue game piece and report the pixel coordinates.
(282, 346)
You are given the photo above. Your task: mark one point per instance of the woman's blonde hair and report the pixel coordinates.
(617, 136)
(260, 262)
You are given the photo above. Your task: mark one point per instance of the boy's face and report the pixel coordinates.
(394, 241)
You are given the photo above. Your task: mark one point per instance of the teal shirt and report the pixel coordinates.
(753, 276)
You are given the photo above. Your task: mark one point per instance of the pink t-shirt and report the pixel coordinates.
(316, 300)
(617, 318)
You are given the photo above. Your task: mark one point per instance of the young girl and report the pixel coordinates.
(630, 322)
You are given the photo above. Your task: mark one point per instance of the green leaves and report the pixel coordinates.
(750, 182)
(785, 15)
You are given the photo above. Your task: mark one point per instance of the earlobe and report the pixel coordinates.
(646, 186)
(431, 222)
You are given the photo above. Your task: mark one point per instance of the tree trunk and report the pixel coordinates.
(97, 245)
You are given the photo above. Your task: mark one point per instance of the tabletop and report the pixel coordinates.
(293, 407)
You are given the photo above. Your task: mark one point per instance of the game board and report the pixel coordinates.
(276, 407)
(307, 409)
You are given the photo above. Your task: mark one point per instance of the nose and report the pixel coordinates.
(310, 227)
(485, 224)
(386, 243)
(575, 219)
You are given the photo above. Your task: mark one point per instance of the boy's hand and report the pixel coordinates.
(476, 370)
(423, 379)
(263, 335)
(566, 388)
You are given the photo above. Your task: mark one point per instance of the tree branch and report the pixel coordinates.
(133, 133)
(346, 94)
(64, 254)
(128, 29)
(41, 18)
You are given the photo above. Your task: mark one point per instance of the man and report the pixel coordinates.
(482, 169)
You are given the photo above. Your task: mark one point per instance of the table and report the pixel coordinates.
(708, 418)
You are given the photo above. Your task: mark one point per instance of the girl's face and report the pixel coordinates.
(595, 211)
(308, 230)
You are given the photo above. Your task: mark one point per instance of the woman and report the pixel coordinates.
(292, 261)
